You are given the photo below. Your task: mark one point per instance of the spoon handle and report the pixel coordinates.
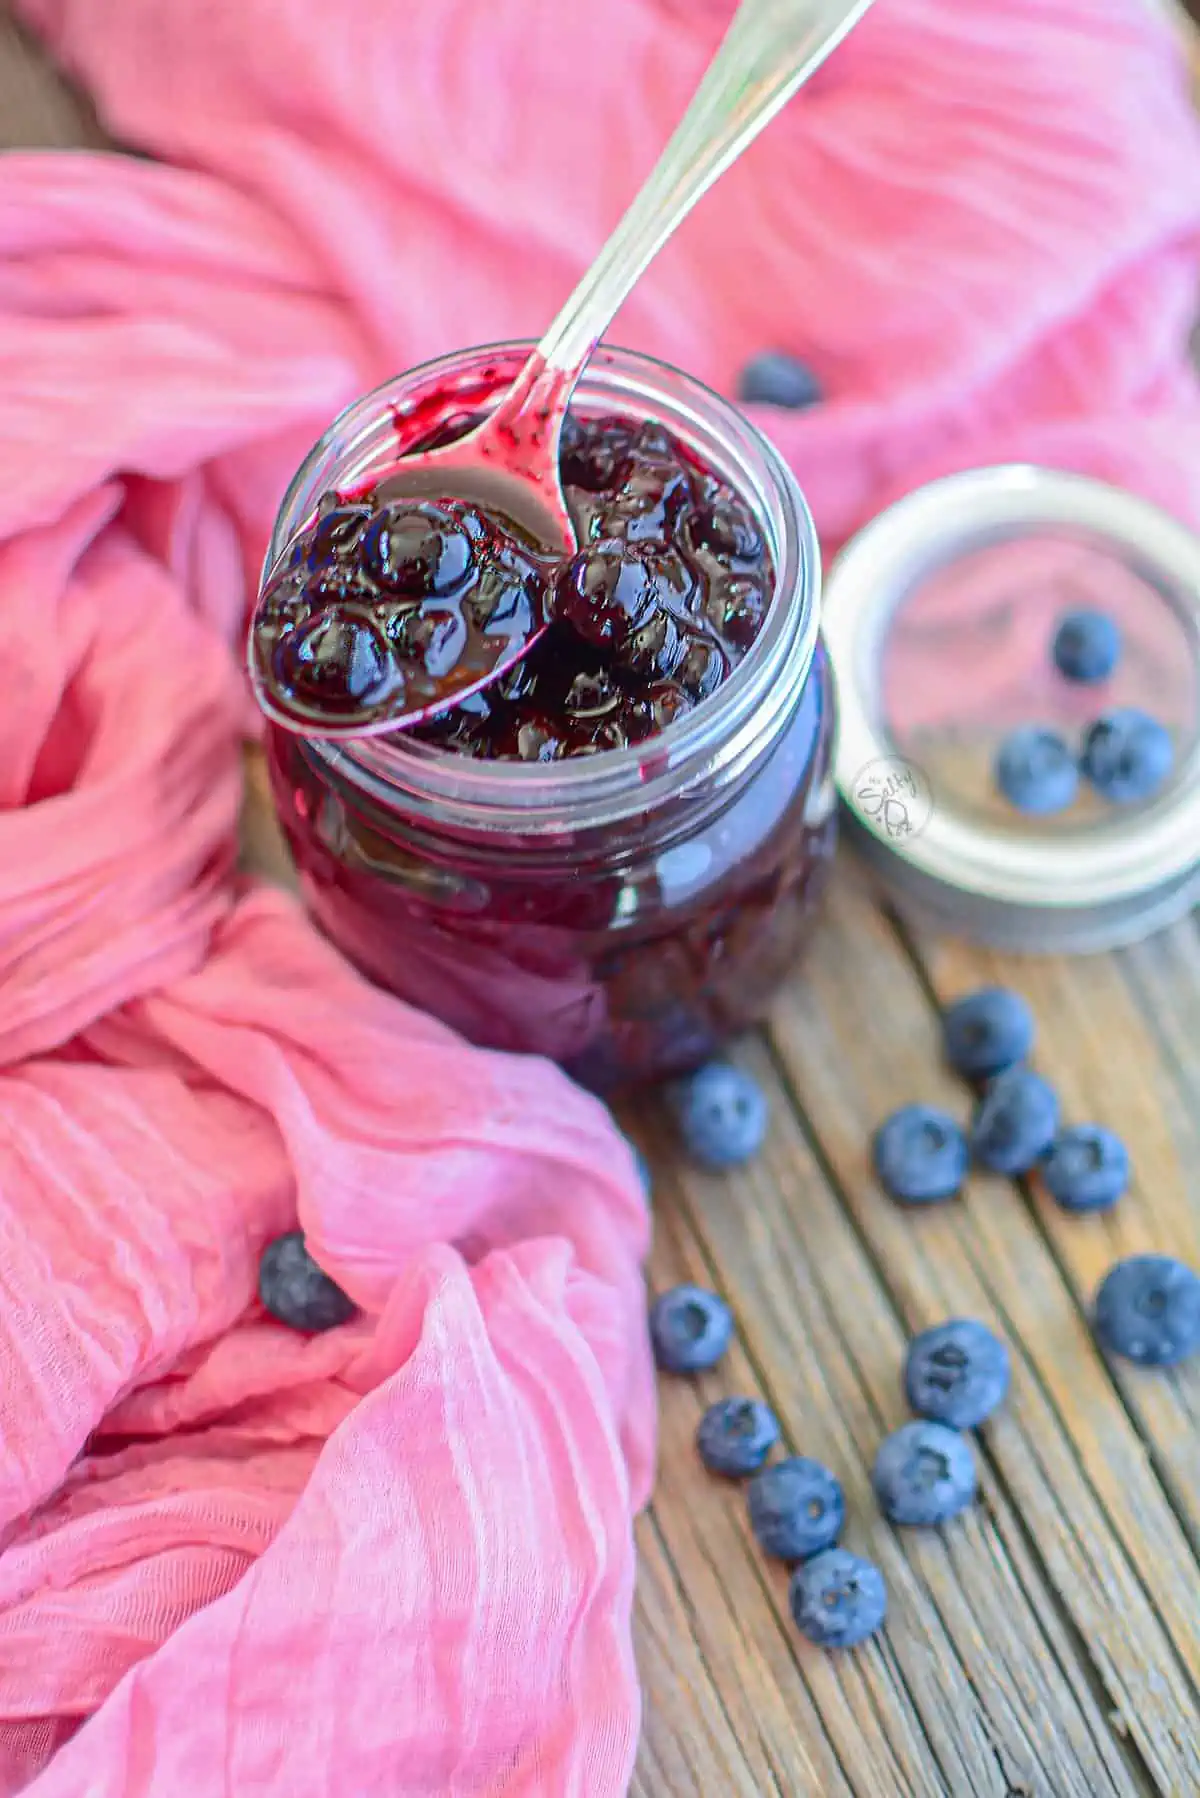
(770, 49)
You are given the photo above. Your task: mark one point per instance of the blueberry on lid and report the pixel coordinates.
(1126, 755)
(1036, 771)
(1087, 646)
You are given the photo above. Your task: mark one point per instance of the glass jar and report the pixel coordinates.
(622, 913)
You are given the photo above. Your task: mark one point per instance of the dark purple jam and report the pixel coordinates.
(631, 946)
(389, 602)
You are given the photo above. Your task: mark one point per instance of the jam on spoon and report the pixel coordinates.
(334, 670)
(393, 605)
(385, 593)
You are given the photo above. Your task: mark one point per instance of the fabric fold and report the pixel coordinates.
(398, 1559)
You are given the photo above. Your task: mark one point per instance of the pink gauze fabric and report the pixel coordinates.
(397, 1559)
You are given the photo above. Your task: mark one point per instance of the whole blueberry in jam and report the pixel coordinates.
(386, 602)
(417, 550)
(336, 661)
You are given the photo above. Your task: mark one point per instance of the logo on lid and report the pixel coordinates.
(894, 796)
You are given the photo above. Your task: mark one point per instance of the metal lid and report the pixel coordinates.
(940, 617)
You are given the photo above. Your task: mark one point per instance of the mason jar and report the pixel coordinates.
(624, 913)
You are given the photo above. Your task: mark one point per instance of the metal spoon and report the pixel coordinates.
(770, 50)
(509, 462)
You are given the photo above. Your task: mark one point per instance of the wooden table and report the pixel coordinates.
(1047, 1644)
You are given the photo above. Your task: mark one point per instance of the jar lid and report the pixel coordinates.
(940, 617)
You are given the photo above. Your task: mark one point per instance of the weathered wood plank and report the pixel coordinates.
(856, 1038)
(742, 1615)
(1100, 1043)
(37, 107)
(705, 1754)
(978, 1686)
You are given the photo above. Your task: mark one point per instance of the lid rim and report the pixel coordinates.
(1089, 881)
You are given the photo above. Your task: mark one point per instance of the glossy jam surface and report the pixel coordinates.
(388, 603)
(627, 956)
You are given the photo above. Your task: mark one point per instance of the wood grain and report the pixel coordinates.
(1046, 1645)
(38, 108)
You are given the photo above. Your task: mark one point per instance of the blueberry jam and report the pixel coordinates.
(492, 864)
(388, 601)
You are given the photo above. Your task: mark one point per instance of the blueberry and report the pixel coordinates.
(1087, 646)
(736, 1435)
(690, 1329)
(987, 1032)
(722, 1115)
(774, 378)
(1126, 755)
(1148, 1310)
(956, 1373)
(1036, 771)
(419, 550)
(924, 1474)
(797, 1508)
(920, 1155)
(1015, 1122)
(1086, 1169)
(727, 529)
(295, 1290)
(613, 591)
(335, 663)
(837, 1599)
(594, 457)
(335, 532)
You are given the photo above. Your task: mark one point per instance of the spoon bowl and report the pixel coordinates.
(508, 465)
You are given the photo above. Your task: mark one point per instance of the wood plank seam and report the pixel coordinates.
(771, 1393)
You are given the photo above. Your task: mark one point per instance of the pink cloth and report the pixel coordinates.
(398, 1559)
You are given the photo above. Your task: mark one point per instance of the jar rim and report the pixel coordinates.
(724, 731)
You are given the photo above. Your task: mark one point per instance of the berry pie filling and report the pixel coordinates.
(388, 602)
